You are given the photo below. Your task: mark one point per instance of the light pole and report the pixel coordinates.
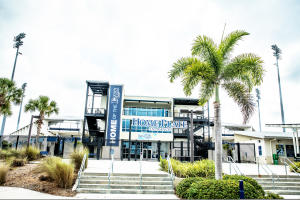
(277, 53)
(20, 111)
(258, 98)
(18, 42)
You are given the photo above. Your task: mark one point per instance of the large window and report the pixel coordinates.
(152, 112)
(136, 128)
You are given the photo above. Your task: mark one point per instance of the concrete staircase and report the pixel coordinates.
(123, 183)
(285, 185)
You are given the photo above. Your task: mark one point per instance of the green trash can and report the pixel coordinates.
(275, 159)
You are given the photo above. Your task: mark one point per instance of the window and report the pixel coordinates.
(154, 112)
(290, 151)
(280, 149)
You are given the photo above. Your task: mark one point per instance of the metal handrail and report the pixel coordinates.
(140, 162)
(81, 169)
(267, 170)
(111, 169)
(170, 170)
(289, 163)
(235, 167)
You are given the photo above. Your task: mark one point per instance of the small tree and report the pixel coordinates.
(44, 107)
(211, 67)
(9, 94)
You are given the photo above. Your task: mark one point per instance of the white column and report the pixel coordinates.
(294, 142)
(297, 142)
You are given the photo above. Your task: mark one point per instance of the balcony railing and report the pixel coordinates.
(96, 111)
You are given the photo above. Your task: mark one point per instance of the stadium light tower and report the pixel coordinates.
(258, 98)
(277, 53)
(18, 42)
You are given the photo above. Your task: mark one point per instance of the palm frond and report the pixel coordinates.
(241, 95)
(205, 47)
(246, 68)
(194, 73)
(206, 92)
(227, 44)
(179, 67)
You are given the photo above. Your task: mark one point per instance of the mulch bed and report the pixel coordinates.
(27, 177)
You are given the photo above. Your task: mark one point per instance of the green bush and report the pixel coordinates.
(295, 167)
(184, 185)
(77, 157)
(18, 162)
(5, 154)
(253, 182)
(203, 168)
(3, 173)
(62, 173)
(32, 153)
(220, 189)
(271, 195)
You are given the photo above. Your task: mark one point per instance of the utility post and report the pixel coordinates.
(277, 53)
(258, 98)
(192, 137)
(20, 111)
(18, 42)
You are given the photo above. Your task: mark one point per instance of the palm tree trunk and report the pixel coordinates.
(39, 126)
(218, 137)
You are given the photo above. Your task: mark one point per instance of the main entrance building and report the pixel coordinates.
(131, 127)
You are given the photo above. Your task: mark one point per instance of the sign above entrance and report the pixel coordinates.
(157, 125)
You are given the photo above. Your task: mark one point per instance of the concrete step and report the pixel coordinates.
(117, 186)
(123, 174)
(130, 178)
(122, 182)
(124, 191)
(285, 192)
(276, 187)
(268, 176)
(280, 183)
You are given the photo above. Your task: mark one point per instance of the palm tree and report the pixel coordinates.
(9, 93)
(212, 67)
(44, 107)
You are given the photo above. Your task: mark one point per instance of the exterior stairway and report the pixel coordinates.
(284, 185)
(122, 183)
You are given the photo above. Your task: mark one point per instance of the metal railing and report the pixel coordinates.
(141, 175)
(110, 170)
(232, 164)
(170, 170)
(82, 167)
(287, 162)
(268, 171)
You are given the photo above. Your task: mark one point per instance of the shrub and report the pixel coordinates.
(3, 173)
(203, 168)
(220, 189)
(32, 153)
(77, 157)
(18, 162)
(184, 185)
(271, 195)
(295, 167)
(62, 173)
(253, 182)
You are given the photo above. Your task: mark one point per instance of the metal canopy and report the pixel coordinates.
(296, 125)
(98, 87)
(185, 101)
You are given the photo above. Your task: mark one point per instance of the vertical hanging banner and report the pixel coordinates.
(114, 115)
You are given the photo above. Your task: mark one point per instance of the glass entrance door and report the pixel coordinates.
(147, 154)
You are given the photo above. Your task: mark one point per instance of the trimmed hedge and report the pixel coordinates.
(184, 185)
(203, 168)
(271, 195)
(293, 168)
(220, 189)
(253, 182)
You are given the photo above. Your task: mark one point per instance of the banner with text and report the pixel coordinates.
(114, 115)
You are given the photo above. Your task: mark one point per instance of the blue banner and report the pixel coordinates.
(114, 115)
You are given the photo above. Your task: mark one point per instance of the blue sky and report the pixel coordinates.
(135, 43)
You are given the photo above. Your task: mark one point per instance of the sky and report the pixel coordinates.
(135, 43)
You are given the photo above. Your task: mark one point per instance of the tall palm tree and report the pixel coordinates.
(212, 67)
(44, 107)
(9, 94)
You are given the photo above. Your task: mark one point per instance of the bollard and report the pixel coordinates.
(242, 193)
